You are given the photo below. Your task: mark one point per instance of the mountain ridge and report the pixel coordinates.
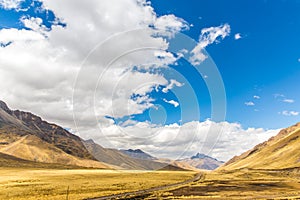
(138, 153)
(279, 152)
(24, 123)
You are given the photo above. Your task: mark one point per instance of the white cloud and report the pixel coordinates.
(10, 4)
(15, 35)
(282, 98)
(39, 67)
(289, 113)
(249, 103)
(172, 102)
(256, 97)
(171, 85)
(170, 24)
(288, 100)
(221, 140)
(208, 36)
(35, 24)
(237, 36)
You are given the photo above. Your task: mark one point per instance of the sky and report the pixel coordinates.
(174, 79)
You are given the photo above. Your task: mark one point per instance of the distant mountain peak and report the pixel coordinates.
(135, 150)
(202, 161)
(200, 156)
(138, 153)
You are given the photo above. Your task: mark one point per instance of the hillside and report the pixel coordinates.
(25, 123)
(32, 148)
(26, 136)
(8, 161)
(116, 157)
(279, 152)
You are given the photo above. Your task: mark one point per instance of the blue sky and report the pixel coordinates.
(260, 69)
(264, 62)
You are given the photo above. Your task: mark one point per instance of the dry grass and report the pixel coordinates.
(16, 183)
(281, 151)
(240, 184)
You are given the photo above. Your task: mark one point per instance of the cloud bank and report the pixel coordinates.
(94, 67)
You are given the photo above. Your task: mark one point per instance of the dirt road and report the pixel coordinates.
(144, 193)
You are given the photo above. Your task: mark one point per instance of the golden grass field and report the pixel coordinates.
(19, 184)
(239, 184)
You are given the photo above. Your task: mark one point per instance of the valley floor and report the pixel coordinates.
(29, 184)
(240, 184)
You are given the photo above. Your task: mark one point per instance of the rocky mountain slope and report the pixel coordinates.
(279, 152)
(21, 123)
(26, 136)
(123, 160)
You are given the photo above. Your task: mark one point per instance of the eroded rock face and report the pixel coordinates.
(26, 123)
(3, 106)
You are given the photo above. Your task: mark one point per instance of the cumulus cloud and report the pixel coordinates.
(289, 113)
(249, 103)
(35, 24)
(171, 85)
(237, 36)
(170, 24)
(174, 141)
(208, 36)
(256, 97)
(41, 69)
(172, 102)
(15, 35)
(10, 4)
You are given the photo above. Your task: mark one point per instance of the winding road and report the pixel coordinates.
(134, 194)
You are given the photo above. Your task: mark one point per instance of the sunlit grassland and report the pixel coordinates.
(16, 183)
(240, 184)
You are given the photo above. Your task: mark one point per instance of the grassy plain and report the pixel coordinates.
(52, 184)
(239, 184)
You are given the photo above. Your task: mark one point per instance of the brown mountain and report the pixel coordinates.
(24, 123)
(279, 152)
(138, 153)
(26, 136)
(202, 161)
(123, 160)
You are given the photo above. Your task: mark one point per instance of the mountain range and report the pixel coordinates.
(26, 139)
